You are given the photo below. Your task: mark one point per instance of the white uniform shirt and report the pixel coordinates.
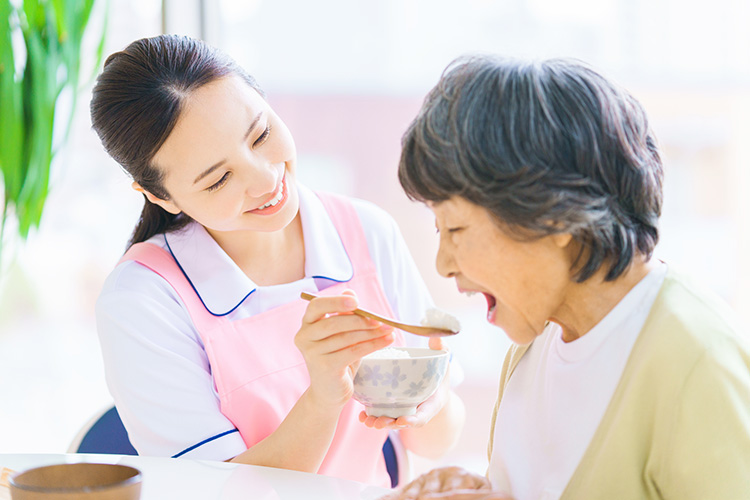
(155, 364)
(557, 395)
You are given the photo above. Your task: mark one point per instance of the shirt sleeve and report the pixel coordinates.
(709, 451)
(157, 369)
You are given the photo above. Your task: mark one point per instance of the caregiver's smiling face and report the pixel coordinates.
(230, 162)
(524, 282)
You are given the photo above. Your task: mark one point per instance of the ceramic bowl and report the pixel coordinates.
(395, 387)
(79, 481)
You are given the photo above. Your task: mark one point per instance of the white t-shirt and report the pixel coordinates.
(155, 364)
(557, 395)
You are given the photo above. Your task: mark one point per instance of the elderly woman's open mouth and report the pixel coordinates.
(491, 303)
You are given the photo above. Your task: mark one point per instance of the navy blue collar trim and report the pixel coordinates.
(196, 290)
(331, 279)
(186, 450)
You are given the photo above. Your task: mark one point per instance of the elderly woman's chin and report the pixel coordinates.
(519, 333)
(521, 338)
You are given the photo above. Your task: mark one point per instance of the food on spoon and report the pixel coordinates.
(437, 318)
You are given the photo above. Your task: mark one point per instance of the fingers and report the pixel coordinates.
(320, 307)
(464, 495)
(327, 316)
(381, 422)
(416, 420)
(348, 327)
(448, 495)
(353, 346)
(447, 483)
(436, 343)
(328, 327)
(347, 348)
(446, 479)
(457, 478)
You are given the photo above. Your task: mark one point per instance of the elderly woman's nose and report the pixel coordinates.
(444, 261)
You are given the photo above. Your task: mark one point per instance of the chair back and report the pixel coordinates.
(397, 461)
(104, 433)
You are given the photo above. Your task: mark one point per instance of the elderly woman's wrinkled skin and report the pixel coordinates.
(447, 483)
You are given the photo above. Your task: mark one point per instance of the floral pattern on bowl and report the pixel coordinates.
(395, 387)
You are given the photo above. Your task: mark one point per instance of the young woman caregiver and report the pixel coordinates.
(209, 351)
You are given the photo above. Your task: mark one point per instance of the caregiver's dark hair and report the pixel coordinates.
(136, 102)
(546, 147)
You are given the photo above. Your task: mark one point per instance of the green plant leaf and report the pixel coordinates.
(11, 114)
(52, 33)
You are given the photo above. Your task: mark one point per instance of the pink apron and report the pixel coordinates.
(258, 371)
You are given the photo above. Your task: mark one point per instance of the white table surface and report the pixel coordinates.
(167, 478)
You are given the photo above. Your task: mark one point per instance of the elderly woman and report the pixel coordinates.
(625, 380)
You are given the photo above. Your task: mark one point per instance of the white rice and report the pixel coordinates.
(388, 353)
(437, 318)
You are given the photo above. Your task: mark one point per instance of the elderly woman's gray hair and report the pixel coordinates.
(546, 147)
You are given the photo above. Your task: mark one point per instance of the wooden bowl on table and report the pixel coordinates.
(79, 481)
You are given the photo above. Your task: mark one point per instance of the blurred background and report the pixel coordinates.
(347, 76)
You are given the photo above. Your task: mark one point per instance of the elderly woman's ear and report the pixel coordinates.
(562, 240)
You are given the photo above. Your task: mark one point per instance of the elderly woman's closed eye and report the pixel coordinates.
(625, 379)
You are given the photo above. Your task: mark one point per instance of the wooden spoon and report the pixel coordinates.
(424, 331)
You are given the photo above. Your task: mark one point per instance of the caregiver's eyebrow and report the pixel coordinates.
(219, 163)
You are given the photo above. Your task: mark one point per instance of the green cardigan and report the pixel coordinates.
(678, 424)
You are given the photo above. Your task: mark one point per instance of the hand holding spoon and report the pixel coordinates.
(424, 331)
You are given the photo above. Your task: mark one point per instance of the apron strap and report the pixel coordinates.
(163, 263)
(349, 227)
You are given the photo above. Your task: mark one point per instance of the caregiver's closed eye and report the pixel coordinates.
(263, 137)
